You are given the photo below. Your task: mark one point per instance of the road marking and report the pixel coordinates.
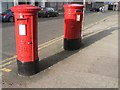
(41, 46)
(8, 59)
(44, 45)
(6, 70)
(8, 63)
(91, 25)
(50, 43)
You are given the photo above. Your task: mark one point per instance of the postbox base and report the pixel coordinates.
(28, 68)
(72, 44)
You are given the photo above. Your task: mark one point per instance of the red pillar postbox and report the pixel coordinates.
(26, 29)
(73, 16)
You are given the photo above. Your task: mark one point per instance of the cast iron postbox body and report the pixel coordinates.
(26, 31)
(73, 16)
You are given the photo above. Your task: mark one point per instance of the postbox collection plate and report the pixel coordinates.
(22, 29)
(78, 18)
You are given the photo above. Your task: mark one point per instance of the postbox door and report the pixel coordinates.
(79, 17)
(24, 40)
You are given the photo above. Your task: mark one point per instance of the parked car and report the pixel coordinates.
(94, 9)
(7, 16)
(102, 9)
(48, 12)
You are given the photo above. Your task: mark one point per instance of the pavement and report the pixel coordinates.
(94, 65)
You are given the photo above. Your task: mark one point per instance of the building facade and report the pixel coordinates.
(113, 6)
(5, 6)
(42, 3)
(118, 6)
(89, 4)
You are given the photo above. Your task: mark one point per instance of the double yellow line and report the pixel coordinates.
(8, 61)
(44, 45)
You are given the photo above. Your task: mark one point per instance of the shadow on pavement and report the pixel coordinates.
(96, 37)
(49, 61)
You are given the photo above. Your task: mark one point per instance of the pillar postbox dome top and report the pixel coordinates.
(25, 8)
(74, 6)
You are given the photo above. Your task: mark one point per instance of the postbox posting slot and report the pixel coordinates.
(22, 19)
(78, 10)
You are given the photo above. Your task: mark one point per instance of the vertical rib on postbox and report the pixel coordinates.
(73, 15)
(26, 29)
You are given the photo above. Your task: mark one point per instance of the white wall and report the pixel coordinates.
(32, 2)
(6, 5)
(43, 3)
(106, 7)
(15, 2)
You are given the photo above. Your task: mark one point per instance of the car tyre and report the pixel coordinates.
(11, 19)
(57, 15)
(48, 15)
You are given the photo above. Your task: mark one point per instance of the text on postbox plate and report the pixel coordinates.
(22, 29)
(78, 18)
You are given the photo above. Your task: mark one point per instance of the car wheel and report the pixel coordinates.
(57, 15)
(39, 16)
(48, 15)
(11, 19)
